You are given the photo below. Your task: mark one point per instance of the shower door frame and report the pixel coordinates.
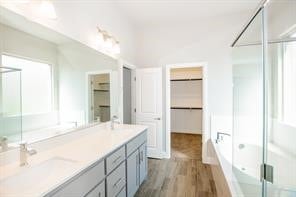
(11, 69)
(264, 39)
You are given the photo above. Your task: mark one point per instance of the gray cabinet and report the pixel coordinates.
(83, 183)
(132, 173)
(115, 159)
(98, 191)
(136, 169)
(143, 163)
(116, 181)
(122, 193)
(119, 174)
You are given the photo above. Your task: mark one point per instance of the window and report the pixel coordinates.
(288, 80)
(36, 85)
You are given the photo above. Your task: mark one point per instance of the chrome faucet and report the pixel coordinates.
(75, 123)
(114, 119)
(219, 136)
(3, 143)
(24, 152)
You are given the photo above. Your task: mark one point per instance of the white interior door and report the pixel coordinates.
(149, 107)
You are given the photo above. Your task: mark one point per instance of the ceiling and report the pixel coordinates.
(21, 23)
(145, 12)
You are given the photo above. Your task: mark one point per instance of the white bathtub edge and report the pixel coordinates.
(226, 168)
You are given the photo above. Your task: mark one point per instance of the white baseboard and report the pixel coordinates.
(208, 160)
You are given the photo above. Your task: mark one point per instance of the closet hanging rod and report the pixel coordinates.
(198, 79)
(190, 108)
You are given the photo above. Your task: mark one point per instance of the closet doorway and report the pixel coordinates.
(185, 98)
(99, 97)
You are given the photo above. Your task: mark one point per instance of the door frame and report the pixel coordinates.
(205, 117)
(122, 63)
(88, 91)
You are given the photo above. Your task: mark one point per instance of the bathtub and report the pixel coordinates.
(247, 160)
(241, 169)
(222, 169)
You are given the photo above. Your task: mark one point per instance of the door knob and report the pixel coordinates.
(157, 118)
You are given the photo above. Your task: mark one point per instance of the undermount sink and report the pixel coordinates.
(38, 175)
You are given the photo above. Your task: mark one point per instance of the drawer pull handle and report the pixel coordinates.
(118, 181)
(141, 156)
(115, 160)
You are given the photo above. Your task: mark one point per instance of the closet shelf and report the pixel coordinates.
(105, 83)
(197, 79)
(104, 105)
(190, 108)
(96, 90)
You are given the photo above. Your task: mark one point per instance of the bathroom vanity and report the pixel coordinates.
(95, 161)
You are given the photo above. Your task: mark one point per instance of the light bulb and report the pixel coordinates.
(47, 10)
(99, 38)
(108, 43)
(21, 1)
(116, 48)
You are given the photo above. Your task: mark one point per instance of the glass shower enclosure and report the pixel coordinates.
(10, 105)
(264, 102)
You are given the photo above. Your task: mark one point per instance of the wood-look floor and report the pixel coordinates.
(183, 175)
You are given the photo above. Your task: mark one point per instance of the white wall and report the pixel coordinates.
(79, 19)
(207, 40)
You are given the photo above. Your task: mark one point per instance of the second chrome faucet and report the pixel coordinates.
(25, 151)
(114, 119)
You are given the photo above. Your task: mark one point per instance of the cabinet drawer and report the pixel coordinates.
(135, 143)
(81, 185)
(116, 181)
(114, 159)
(122, 193)
(99, 191)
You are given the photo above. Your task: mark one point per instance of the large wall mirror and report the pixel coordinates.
(49, 83)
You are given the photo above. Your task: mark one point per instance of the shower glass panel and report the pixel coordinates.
(281, 72)
(264, 77)
(10, 105)
(248, 102)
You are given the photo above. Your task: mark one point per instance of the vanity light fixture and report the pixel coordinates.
(116, 48)
(108, 42)
(47, 9)
(22, 1)
(100, 36)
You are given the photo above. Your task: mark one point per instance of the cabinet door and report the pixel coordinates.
(122, 193)
(132, 173)
(116, 180)
(143, 162)
(99, 191)
(81, 185)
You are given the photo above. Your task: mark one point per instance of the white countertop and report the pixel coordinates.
(83, 148)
